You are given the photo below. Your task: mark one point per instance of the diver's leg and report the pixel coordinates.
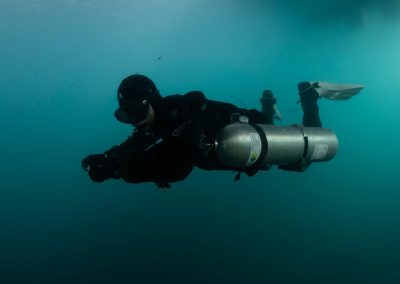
(308, 99)
(268, 101)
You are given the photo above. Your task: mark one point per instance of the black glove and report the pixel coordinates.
(100, 168)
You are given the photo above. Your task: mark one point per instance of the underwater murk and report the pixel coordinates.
(61, 63)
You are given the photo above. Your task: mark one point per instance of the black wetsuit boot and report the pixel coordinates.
(308, 99)
(267, 101)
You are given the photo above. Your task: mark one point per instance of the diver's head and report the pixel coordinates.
(137, 96)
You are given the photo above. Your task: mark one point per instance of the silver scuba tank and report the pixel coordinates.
(242, 145)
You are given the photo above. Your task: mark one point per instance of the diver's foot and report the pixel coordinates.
(269, 108)
(267, 99)
(307, 91)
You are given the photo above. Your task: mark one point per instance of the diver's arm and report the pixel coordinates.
(137, 142)
(108, 165)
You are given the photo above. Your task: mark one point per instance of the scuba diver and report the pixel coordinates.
(176, 133)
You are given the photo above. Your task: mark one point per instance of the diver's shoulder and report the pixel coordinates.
(172, 98)
(192, 95)
(195, 95)
(193, 100)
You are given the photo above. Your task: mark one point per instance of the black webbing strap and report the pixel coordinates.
(252, 170)
(264, 148)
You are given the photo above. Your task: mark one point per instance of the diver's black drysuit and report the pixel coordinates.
(181, 137)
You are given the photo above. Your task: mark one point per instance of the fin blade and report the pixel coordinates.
(335, 91)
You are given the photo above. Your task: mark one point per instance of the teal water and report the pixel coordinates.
(61, 63)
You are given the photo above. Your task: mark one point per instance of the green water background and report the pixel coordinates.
(61, 62)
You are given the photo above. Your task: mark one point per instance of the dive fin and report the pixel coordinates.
(335, 91)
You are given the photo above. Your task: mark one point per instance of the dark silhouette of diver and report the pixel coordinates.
(176, 133)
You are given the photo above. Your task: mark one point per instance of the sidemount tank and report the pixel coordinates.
(243, 145)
